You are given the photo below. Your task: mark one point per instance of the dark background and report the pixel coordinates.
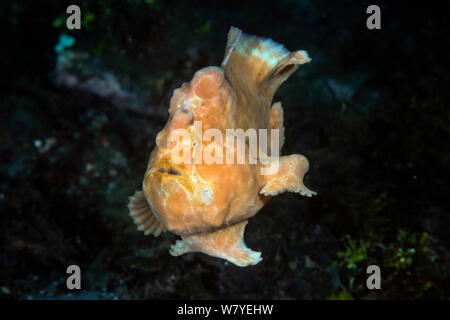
(371, 113)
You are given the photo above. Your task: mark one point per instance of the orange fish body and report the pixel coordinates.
(209, 203)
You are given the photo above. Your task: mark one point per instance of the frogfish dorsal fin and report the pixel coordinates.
(142, 215)
(253, 62)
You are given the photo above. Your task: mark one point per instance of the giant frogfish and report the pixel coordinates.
(208, 204)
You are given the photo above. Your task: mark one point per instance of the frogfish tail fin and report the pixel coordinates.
(253, 62)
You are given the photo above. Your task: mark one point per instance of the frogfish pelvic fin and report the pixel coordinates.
(208, 204)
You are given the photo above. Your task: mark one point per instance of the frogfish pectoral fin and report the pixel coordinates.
(142, 215)
(288, 178)
(227, 243)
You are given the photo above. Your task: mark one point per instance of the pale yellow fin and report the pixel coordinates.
(253, 62)
(142, 215)
(288, 178)
(283, 69)
(227, 243)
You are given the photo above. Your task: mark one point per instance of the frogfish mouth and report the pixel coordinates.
(208, 203)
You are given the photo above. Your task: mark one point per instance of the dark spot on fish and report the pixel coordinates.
(169, 171)
(173, 172)
(286, 69)
(191, 122)
(185, 108)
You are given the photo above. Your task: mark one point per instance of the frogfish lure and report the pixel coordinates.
(208, 204)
